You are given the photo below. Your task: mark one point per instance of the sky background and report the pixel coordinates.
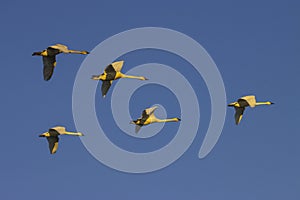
(256, 47)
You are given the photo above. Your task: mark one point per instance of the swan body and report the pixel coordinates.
(52, 136)
(244, 102)
(113, 72)
(49, 57)
(148, 117)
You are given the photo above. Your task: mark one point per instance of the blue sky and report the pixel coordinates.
(255, 46)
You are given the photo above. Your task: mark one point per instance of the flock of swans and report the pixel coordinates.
(113, 72)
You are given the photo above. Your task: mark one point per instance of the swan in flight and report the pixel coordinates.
(113, 72)
(52, 136)
(49, 57)
(148, 117)
(244, 102)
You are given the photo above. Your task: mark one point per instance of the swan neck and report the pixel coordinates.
(75, 51)
(262, 103)
(72, 133)
(167, 120)
(133, 77)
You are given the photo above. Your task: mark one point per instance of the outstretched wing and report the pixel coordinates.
(60, 47)
(146, 114)
(149, 111)
(105, 87)
(144, 117)
(118, 65)
(53, 144)
(238, 114)
(58, 129)
(109, 69)
(137, 128)
(49, 63)
(251, 101)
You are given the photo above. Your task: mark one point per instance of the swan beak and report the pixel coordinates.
(36, 53)
(272, 103)
(95, 77)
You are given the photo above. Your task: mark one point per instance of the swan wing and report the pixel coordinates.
(53, 144)
(105, 87)
(238, 114)
(60, 47)
(118, 65)
(49, 63)
(250, 100)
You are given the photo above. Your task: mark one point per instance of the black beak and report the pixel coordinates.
(36, 53)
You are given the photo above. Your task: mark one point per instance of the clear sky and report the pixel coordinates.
(256, 47)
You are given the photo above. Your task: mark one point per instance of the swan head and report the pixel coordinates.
(84, 52)
(143, 78)
(234, 104)
(80, 134)
(45, 135)
(40, 53)
(137, 122)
